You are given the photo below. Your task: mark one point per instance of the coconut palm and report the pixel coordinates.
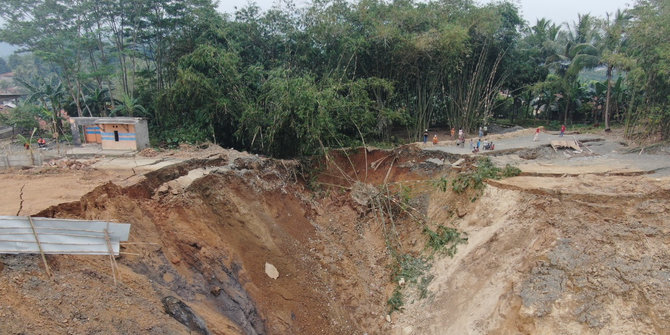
(614, 39)
(578, 54)
(128, 106)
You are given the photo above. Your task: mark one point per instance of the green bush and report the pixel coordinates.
(475, 179)
(511, 171)
(444, 240)
(395, 302)
(410, 268)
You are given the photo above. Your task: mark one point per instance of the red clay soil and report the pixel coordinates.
(207, 244)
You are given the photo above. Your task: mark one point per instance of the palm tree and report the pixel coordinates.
(613, 28)
(47, 93)
(128, 106)
(97, 99)
(579, 53)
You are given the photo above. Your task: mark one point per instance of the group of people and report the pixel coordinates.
(486, 145)
(41, 142)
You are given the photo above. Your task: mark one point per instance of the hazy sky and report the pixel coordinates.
(557, 11)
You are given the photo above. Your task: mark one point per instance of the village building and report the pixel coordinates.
(113, 133)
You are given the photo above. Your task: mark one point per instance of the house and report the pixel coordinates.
(113, 133)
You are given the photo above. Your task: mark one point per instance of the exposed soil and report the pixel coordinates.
(562, 249)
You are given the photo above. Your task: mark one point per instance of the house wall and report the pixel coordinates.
(92, 134)
(142, 134)
(118, 137)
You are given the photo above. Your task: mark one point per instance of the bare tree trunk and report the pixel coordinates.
(607, 100)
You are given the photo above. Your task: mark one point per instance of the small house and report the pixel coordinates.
(113, 133)
(123, 133)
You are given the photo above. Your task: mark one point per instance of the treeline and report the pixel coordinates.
(292, 81)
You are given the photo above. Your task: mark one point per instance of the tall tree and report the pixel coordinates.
(614, 38)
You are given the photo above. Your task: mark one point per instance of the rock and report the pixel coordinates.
(271, 271)
(461, 212)
(435, 161)
(407, 330)
(401, 282)
(458, 162)
(184, 314)
(388, 318)
(215, 291)
(162, 189)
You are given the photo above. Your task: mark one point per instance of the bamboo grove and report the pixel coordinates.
(291, 81)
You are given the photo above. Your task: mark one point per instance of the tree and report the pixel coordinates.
(128, 106)
(579, 53)
(614, 38)
(649, 49)
(4, 68)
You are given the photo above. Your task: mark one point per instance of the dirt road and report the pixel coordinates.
(603, 153)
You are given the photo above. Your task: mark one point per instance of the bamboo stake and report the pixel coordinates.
(39, 245)
(112, 260)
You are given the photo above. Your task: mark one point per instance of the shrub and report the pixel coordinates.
(475, 179)
(395, 302)
(444, 239)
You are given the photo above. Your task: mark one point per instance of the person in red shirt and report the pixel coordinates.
(537, 134)
(562, 130)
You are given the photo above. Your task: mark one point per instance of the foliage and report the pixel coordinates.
(442, 184)
(510, 171)
(413, 271)
(410, 268)
(25, 117)
(444, 239)
(396, 301)
(648, 58)
(485, 170)
(4, 68)
(288, 82)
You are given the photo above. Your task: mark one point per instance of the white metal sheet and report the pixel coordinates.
(60, 236)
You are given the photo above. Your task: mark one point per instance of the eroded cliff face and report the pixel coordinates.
(545, 254)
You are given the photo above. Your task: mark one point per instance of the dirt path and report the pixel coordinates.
(602, 154)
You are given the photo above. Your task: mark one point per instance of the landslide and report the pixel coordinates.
(585, 254)
(550, 254)
(202, 233)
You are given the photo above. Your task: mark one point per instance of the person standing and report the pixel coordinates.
(562, 130)
(453, 132)
(537, 134)
(472, 145)
(481, 132)
(435, 139)
(425, 136)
